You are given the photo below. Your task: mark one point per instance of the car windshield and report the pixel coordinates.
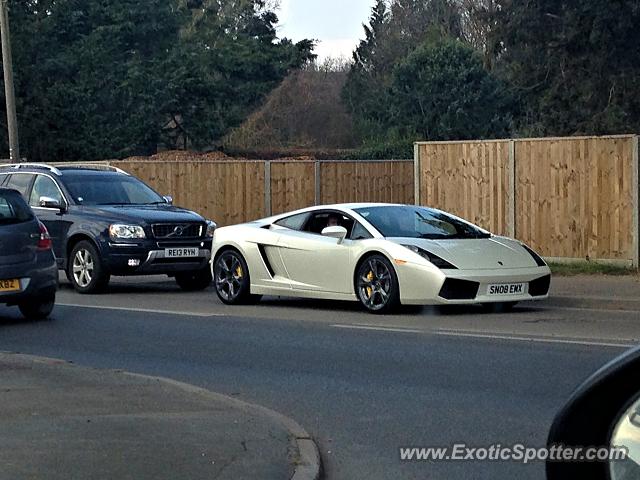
(13, 209)
(418, 222)
(110, 189)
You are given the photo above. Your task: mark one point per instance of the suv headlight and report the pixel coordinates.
(126, 232)
(434, 259)
(211, 227)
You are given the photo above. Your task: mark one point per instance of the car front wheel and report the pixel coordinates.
(377, 285)
(85, 270)
(194, 281)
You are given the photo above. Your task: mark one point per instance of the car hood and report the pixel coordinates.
(476, 254)
(147, 214)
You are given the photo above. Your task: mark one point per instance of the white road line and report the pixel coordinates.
(380, 329)
(491, 336)
(141, 310)
(582, 309)
(534, 339)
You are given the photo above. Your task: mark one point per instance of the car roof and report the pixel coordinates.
(61, 169)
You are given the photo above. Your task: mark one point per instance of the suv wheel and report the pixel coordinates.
(38, 308)
(85, 269)
(194, 281)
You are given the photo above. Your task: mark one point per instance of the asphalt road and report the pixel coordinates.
(362, 385)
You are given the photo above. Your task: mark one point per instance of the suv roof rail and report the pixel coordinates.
(92, 166)
(42, 166)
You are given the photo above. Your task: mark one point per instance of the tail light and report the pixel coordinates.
(44, 242)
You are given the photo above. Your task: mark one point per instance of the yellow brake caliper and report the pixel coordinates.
(239, 271)
(369, 289)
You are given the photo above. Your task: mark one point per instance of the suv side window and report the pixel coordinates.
(44, 187)
(20, 182)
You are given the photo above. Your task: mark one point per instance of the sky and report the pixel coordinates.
(336, 24)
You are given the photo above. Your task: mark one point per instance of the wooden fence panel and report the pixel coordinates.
(468, 179)
(227, 192)
(575, 197)
(366, 181)
(292, 186)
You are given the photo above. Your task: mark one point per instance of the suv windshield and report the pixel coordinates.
(418, 222)
(110, 189)
(13, 209)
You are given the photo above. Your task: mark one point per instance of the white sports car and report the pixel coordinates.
(379, 254)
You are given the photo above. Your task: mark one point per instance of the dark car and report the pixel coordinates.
(106, 222)
(28, 272)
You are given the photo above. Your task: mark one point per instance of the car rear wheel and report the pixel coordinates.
(85, 270)
(38, 308)
(232, 281)
(194, 281)
(377, 285)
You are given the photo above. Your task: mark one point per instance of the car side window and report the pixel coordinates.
(294, 222)
(44, 187)
(360, 233)
(20, 182)
(319, 221)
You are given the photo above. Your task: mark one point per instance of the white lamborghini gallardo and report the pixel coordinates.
(379, 254)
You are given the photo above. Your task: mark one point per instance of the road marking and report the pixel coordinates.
(379, 329)
(516, 338)
(142, 310)
(492, 336)
(582, 309)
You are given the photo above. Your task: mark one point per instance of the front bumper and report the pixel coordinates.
(149, 258)
(420, 285)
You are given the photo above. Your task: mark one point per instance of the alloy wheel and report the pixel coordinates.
(374, 284)
(83, 267)
(229, 276)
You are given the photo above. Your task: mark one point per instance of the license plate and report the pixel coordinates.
(181, 252)
(9, 285)
(507, 289)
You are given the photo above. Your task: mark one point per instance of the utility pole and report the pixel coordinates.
(9, 90)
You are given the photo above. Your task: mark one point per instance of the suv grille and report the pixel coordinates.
(178, 230)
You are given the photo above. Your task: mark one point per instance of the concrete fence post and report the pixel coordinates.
(511, 204)
(635, 202)
(267, 188)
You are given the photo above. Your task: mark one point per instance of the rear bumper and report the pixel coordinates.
(150, 258)
(37, 279)
(421, 285)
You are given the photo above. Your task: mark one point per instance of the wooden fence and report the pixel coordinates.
(569, 198)
(238, 191)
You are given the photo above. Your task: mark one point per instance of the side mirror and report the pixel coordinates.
(602, 413)
(335, 232)
(168, 199)
(48, 202)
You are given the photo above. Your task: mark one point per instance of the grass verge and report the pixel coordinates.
(590, 268)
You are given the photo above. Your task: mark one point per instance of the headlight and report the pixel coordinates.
(126, 232)
(430, 257)
(211, 227)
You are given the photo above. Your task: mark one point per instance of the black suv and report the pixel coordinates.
(106, 222)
